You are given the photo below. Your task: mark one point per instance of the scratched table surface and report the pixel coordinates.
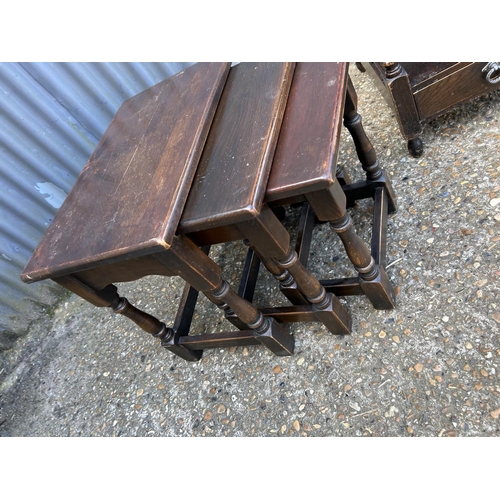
(133, 188)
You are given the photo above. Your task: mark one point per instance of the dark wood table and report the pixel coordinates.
(209, 156)
(226, 201)
(303, 170)
(119, 222)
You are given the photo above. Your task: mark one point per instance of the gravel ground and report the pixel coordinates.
(430, 367)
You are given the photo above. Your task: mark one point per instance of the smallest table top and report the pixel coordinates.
(308, 146)
(128, 200)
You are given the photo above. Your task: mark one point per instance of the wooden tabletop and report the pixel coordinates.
(129, 198)
(306, 154)
(231, 179)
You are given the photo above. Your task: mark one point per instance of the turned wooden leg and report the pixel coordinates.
(272, 241)
(373, 278)
(203, 274)
(327, 306)
(288, 285)
(329, 205)
(108, 297)
(364, 148)
(267, 331)
(148, 323)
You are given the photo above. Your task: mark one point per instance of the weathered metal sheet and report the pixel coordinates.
(51, 117)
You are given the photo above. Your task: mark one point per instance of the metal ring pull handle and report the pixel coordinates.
(490, 69)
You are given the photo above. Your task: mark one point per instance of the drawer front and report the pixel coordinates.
(465, 84)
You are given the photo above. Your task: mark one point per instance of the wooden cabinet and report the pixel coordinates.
(420, 91)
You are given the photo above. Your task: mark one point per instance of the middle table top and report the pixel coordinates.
(232, 176)
(255, 153)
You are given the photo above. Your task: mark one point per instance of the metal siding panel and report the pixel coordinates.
(51, 117)
(93, 92)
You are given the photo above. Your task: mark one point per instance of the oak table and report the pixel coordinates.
(120, 220)
(209, 156)
(303, 170)
(226, 201)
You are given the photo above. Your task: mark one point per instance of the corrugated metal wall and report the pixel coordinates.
(51, 118)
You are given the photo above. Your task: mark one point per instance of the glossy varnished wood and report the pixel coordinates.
(234, 168)
(123, 271)
(226, 197)
(119, 222)
(305, 164)
(128, 200)
(227, 202)
(459, 83)
(305, 167)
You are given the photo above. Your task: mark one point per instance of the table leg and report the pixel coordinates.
(364, 148)
(288, 285)
(272, 241)
(202, 273)
(330, 205)
(108, 297)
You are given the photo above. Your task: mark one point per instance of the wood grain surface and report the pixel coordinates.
(128, 199)
(306, 154)
(231, 180)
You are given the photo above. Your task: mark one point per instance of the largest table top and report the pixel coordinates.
(128, 200)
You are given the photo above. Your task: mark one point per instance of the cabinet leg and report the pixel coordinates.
(416, 147)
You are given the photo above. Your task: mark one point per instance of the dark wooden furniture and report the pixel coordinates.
(304, 171)
(226, 199)
(119, 222)
(208, 156)
(421, 91)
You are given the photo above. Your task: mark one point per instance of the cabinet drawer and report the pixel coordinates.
(467, 82)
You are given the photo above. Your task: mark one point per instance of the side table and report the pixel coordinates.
(120, 220)
(303, 169)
